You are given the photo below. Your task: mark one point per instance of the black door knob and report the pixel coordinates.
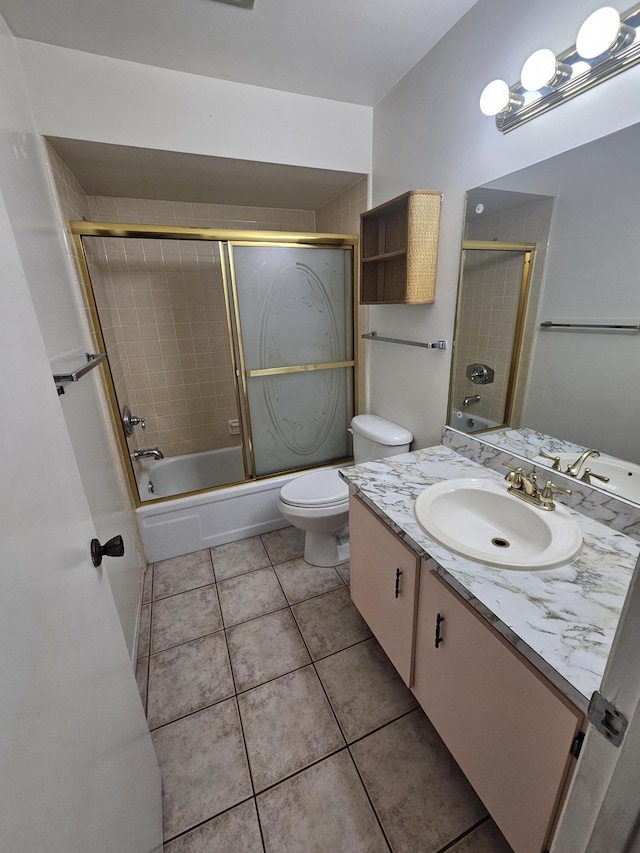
(113, 548)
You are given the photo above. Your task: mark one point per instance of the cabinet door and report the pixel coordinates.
(508, 728)
(384, 573)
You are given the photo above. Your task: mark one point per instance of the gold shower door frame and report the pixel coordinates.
(224, 237)
(528, 252)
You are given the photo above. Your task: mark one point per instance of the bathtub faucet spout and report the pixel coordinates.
(149, 453)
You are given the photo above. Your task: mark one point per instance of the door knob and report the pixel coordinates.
(113, 548)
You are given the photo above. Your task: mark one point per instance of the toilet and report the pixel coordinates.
(318, 502)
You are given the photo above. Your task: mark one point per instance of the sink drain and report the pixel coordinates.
(500, 543)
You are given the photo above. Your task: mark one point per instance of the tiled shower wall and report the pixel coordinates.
(168, 346)
(489, 306)
(341, 215)
(169, 320)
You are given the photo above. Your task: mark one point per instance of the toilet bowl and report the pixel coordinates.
(318, 502)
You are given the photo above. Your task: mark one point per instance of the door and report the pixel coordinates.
(384, 580)
(509, 730)
(294, 316)
(77, 769)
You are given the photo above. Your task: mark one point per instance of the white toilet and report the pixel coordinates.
(318, 503)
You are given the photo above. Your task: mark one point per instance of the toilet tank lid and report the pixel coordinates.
(381, 430)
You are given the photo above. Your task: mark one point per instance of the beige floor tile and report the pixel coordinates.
(145, 627)
(418, 791)
(235, 831)
(236, 558)
(147, 585)
(284, 544)
(142, 676)
(184, 617)
(299, 580)
(250, 595)
(288, 724)
(182, 573)
(344, 570)
(187, 678)
(204, 766)
(265, 648)
(322, 809)
(330, 623)
(364, 689)
(486, 839)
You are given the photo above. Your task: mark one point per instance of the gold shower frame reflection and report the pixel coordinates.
(528, 252)
(228, 237)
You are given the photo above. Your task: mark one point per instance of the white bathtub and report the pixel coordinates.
(465, 421)
(175, 475)
(186, 524)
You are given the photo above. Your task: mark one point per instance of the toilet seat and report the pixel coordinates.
(318, 489)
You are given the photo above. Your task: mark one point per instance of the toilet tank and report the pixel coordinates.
(375, 438)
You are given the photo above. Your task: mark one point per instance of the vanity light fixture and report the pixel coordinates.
(607, 43)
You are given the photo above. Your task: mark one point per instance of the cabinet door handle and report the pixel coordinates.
(439, 621)
(398, 573)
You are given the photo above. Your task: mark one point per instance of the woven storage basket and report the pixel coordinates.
(422, 246)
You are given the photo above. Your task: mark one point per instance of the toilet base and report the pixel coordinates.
(326, 549)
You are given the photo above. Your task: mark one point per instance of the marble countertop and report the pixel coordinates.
(562, 620)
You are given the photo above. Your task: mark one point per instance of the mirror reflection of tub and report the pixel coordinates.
(467, 422)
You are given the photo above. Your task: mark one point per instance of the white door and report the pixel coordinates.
(77, 769)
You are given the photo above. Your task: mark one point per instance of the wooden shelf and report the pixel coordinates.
(386, 256)
(398, 249)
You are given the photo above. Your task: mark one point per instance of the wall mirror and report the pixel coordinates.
(577, 379)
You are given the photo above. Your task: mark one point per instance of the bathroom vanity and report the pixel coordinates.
(503, 662)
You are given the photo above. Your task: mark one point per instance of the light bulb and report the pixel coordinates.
(599, 32)
(539, 70)
(495, 98)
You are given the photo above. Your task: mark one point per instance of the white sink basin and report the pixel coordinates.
(480, 520)
(624, 477)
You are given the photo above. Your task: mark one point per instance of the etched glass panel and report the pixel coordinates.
(295, 308)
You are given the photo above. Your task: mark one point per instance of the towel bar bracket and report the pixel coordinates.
(93, 360)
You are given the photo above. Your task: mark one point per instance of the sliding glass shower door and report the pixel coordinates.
(294, 318)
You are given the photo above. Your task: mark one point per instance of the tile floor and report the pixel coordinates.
(278, 721)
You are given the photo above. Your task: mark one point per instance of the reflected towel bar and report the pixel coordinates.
(93, 360)
(549, 324)
(374, 336)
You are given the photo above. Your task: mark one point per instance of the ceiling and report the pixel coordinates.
(120, 170)
(345, 50)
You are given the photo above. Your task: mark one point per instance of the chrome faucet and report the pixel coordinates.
(525, 487)
(574, 470)
(150, 453)
(468, 401)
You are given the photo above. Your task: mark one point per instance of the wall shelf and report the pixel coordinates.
(399, 249)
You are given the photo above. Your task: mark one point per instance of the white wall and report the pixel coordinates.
(39, 236)
(430, 134)
(83, 96)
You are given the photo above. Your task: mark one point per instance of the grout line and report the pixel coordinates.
(366, 791)
(184, 643)
(183, 591)
(207, 820)
(464, 834)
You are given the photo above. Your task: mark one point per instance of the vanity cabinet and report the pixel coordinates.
(508, 728)
(399, 250)
(384, 577)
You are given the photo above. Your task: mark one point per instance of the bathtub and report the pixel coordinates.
(192, 523)
(162, 478)
(468, 422)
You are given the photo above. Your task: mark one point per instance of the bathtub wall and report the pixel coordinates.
(341, 215)
(489, 305)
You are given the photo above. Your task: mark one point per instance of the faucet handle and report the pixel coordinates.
(547, 493)
(591, 475)
(554, 459)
